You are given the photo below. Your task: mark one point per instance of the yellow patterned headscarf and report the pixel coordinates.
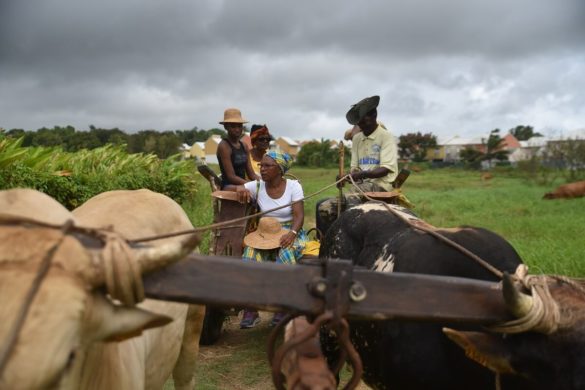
(284, 160)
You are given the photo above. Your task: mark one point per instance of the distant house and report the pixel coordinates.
(454, 146)
(438, 152)
(213, 142)
(509, 142)
(533, 147)
(197, 150)
(287, 145)
(211, 148)
(514, 148)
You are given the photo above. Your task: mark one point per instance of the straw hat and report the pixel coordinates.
(228, 195)
(232, 115)
(267, 236)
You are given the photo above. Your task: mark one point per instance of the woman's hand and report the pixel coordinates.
(243, 194)
(288, 239)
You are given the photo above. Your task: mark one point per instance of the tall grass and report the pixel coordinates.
(72, 178)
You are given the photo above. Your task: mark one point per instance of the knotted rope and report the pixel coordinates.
(544, 314)
(122, 273)
(123, 277)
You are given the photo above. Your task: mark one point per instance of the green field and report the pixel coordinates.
(548, 235)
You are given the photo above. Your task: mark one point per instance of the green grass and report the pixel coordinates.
(546, 233)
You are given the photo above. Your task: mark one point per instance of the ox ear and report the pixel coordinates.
(486, 349)
(108, 322)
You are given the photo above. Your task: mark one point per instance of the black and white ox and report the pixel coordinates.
(410, 355)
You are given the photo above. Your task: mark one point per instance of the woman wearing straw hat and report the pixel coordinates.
(279, 236)
(232, 154)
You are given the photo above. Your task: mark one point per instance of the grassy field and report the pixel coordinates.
(548, 235)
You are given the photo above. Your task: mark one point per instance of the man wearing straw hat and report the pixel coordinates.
(232, 154)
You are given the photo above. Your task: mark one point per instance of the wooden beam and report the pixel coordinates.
(231, 282)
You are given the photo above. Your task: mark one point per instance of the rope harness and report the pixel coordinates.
(123, 278)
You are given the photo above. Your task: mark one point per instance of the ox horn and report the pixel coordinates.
(518, 303)
(115, 266)
(156, 257)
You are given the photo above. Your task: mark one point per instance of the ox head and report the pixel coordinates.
(70, 310)
(544, 345)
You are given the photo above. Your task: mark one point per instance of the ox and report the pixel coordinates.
(74, 336)
(567, 191)
(409, 355)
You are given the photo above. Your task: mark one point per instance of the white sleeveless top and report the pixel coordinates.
(292, 192)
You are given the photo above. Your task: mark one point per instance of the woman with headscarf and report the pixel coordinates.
(273, 191)
(260, 138)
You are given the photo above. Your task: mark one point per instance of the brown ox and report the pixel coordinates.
(567, 191)
(67, 338)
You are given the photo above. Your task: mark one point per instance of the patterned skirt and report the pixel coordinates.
(288, 255)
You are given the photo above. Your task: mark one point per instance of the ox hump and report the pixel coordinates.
(32, 204)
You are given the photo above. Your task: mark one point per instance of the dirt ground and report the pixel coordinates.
(238, 361)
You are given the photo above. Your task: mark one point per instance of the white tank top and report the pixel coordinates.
(292, 192)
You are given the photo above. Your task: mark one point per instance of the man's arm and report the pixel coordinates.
(370, 174)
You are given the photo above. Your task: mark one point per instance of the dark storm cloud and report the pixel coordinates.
(446, 66)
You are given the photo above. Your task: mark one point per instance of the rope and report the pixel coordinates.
(122, 273)
(544, 314)
(232, 221)
(434, 233)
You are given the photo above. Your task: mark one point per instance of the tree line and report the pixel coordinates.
(412, 146)
(161, 143)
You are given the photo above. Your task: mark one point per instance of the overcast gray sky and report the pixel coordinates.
(448, 67)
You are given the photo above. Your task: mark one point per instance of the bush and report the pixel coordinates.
(73, 178)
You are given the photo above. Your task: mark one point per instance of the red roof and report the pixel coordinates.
(510, 142)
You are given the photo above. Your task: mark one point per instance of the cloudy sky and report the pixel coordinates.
(448, 67)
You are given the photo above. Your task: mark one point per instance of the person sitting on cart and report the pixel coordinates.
(374, 160)
(232, 154)
(284, 227)
(260, 138)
